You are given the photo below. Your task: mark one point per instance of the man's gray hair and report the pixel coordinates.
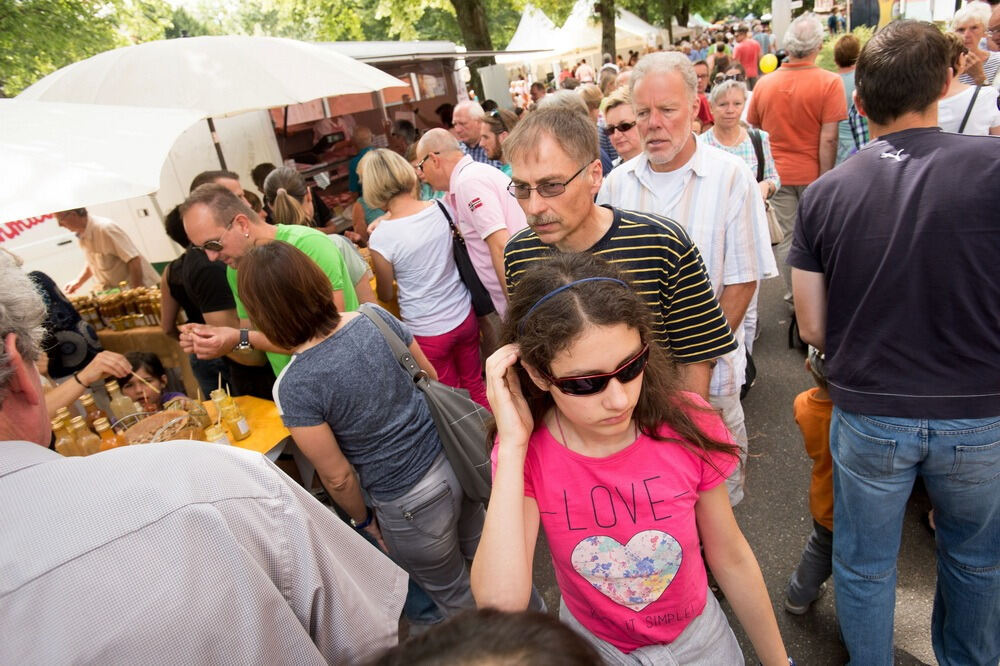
(804, 36)
(567, 100)
(474, 108)
(22, 312)
(720, 89)
(437, 140)
(662, 62)
(978, 12)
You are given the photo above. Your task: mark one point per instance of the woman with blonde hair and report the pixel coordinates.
(291, 202)
(412, 252)
(966, 109)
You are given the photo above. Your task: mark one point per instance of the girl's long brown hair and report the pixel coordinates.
(553, 327)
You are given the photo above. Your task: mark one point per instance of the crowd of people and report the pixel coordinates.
(586, 267)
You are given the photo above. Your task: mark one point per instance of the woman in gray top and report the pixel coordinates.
(362, 422)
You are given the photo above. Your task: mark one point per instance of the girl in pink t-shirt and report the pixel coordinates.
(596, 443)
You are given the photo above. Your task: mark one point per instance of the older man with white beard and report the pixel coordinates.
(710, 193)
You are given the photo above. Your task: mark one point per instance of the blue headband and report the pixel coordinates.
(520, 326)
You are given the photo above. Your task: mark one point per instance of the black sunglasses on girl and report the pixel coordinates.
(591, 384)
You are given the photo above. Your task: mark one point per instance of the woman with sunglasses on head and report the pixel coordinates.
(596, 443)
(496, 125)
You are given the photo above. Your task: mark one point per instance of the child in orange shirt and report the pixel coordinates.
(812, 413)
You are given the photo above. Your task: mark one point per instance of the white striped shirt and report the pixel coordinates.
(716, 199)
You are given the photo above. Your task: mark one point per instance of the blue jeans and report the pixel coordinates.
(875, 462)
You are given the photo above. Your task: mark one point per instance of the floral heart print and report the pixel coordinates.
(633, 575)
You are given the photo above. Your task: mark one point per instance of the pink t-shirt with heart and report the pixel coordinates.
(622, 530)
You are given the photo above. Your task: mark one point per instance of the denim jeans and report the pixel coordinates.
(431, 530)
(875, 462)
(814, 567)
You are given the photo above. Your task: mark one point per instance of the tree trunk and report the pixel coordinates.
(669, 6)
(471, 17)
(607, 13)
(683, 13)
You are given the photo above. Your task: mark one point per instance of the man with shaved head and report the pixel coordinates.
(468, 119)
(477, 195)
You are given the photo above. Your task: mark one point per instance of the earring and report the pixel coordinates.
(247, 234)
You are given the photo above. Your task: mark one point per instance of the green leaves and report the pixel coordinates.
(40, 36)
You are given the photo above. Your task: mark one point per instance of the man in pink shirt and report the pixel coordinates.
(484, 211)
(747, 52)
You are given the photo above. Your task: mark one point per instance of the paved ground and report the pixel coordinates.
(775, 514)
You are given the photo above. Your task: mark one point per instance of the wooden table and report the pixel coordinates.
(268, 435)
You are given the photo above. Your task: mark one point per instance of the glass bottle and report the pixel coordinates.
(63, 415)
(65, 442)
(217, 435)
(121, 405)
(93, 411)
(236, 422)
(86, 441)
(221, 399)
(109, 438)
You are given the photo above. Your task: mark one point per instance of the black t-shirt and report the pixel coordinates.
(199, 285)
(907, 235)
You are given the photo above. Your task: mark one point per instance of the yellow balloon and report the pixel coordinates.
(769, 63)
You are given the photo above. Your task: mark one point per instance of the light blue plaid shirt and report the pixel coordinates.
(478, 154)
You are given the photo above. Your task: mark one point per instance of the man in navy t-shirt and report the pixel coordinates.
(895, 276)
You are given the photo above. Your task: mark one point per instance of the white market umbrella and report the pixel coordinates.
(56, 156)
(219, 75)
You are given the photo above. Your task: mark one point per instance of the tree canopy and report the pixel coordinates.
(39, 36)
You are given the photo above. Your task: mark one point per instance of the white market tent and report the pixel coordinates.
(580, 35)
(535, 32)
(696, 21)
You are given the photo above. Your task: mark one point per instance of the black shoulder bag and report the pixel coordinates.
(968, 111)
(482, 302)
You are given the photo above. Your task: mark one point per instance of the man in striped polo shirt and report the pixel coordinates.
(557, 172)
(714, 196)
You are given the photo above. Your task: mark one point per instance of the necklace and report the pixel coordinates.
(565, 442)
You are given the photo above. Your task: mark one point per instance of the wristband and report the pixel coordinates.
(76, 376)
(369, 517)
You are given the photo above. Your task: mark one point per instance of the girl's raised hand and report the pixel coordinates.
(503, 390)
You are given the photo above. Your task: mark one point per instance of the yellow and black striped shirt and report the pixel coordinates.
(656, 255)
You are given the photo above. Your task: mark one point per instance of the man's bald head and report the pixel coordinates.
(438, 152)
(437, 140)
